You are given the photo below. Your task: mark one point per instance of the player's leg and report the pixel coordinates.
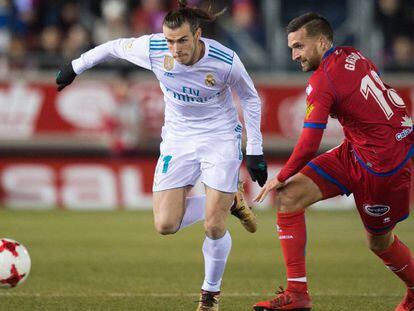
(176, 172)
(216, 246)
(399, 259)
(291, 201)
(395, 255)
(220, 160)
(317, 181)
(169, 209)
(170, 202)
(217, 243)
(300, 192)
(380, 211)
(195, 210)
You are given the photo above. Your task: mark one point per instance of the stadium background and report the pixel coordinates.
(93, 147)
(95, 144)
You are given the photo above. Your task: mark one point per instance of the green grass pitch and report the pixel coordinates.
(116, 261)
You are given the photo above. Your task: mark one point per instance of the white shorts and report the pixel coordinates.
(216, 160)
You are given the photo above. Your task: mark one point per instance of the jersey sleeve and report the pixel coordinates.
(240, 81)
(304, 151)
(134, 50)
(320, 98)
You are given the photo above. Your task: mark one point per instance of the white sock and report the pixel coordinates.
(195, 210)
(215, 253)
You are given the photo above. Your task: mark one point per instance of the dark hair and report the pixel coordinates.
(314, 24)
(193, 15)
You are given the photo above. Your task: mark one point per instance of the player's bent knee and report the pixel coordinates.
(380, 243)
(377, 247)
(165, 228)
(288, 203)
(214, 231)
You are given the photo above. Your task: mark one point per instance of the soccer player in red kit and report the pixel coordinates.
(373, 161)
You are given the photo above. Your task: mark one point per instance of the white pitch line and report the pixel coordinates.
(168, 295)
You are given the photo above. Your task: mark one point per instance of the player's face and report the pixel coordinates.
(305, 49)
(183, 44)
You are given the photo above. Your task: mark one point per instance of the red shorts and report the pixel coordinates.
(382, 201)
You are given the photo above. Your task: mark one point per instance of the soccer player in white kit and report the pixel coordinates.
(201, 137)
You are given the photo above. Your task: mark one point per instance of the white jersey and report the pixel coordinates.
(198, 97)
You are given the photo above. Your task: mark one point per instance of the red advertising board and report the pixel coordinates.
(97, 184)
(131, 116)
(116, 115)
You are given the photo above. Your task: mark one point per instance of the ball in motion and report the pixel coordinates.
(14, 263)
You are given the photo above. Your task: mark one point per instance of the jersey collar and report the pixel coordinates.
(328, 52)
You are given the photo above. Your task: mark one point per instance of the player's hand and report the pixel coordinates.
(257, 167)
(273, 184)
(65, 76)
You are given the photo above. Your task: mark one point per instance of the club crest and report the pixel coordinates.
(168, 62)
(309, 89)
(128, 45)
(210, 81)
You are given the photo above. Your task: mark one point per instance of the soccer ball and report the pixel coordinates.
(14, 263)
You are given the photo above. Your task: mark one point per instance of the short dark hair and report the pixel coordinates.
(314, 23)
(193, 15)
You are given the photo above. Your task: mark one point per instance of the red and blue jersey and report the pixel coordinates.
(375, 121)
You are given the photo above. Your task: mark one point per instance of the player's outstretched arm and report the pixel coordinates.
(65, 76)
(134, 50)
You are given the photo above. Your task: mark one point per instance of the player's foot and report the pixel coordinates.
(242, 211)
(286, 300)
(209, 301)
(407, 304)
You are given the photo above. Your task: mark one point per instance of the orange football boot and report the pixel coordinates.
(286, 300)
(407, 304)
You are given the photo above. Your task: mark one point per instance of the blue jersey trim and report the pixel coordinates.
(314, 125)
(386, 229)
(158, 49)
(222, 59)
(328, 177)
(212, 48)
(410, 153)
(219, 54)
(158, 40)
(328, 52)
(158, 44)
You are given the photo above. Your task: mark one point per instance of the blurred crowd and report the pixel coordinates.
(44, 33)
(395, 19)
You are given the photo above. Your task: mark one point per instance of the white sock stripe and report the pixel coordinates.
(396, 270)
(303, 279)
